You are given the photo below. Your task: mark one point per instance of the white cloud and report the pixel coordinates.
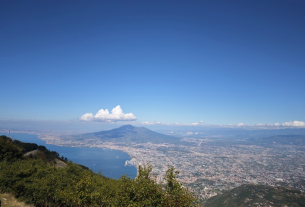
(147, 123)
(87, 117)
(104, 115)
(271, 126)
(241, 124)
(201, 123)
(294, 124)
(291, 124)
(155, 123)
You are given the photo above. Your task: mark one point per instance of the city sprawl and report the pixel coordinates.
(208, 166)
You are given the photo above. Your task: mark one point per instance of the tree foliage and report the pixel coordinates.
(36, 182)
(9, 151)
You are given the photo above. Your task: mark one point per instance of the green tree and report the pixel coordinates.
(36, 182)
(8, 151)
(176, 195)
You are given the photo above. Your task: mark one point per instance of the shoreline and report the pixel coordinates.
(136, 164)
(50, 140)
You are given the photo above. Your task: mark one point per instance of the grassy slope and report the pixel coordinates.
(8, 200)
(41, 155)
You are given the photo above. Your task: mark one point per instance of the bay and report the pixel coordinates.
(109, 162)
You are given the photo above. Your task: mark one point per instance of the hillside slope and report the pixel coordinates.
(8, 200)
(129, 133)
(35, 180)
(40, 154)
(258, 195)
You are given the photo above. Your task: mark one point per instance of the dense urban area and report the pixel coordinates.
(209, 166)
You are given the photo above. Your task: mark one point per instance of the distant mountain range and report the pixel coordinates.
(258, 195)
(129, 133)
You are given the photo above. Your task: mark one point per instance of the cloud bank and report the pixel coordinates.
(294, 124)
(104, 116)
(291, 124)
(201, 123)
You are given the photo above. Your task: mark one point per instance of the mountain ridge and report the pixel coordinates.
(129, 133)
(258, 195)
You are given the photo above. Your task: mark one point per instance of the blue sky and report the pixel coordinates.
(222, 62)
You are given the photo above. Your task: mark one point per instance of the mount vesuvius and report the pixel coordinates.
(129, 133)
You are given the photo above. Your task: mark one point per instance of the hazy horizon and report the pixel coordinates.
(160, 64)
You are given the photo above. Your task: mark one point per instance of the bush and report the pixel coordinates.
(34, 181)
(8, 151)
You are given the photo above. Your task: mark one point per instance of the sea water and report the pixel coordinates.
(107, 161)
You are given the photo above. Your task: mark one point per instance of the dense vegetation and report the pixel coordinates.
(36, 181)
(258, 195)
(21, 147)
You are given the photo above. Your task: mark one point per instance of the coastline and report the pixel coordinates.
(132, 157)
(54, 139)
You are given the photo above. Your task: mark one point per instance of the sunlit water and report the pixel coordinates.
(109, 162)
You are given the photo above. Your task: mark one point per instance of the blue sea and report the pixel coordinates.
(109, 162)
